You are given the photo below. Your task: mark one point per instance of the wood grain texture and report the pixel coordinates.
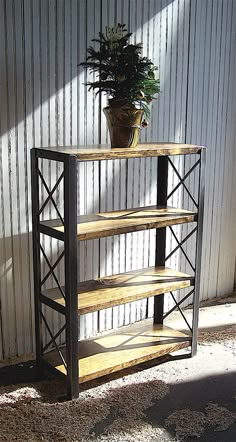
(112, 223)
(132, 345)
(110, 291)
(105, 152)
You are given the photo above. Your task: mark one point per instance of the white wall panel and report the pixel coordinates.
(44, 101)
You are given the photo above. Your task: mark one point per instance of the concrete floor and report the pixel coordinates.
(211, 375)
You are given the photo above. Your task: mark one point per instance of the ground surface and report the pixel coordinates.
(181, 399)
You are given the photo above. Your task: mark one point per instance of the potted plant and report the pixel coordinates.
(127, 78)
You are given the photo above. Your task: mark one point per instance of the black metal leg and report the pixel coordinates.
(162, 184)
(160, 261)
(161, 242)
(69, 293)
(36, 259)
(72, 323)
(201, 189)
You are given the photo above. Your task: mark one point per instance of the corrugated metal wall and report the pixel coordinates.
(44, 102)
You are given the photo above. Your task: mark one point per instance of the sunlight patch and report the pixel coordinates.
(134, 431)
(21, 394)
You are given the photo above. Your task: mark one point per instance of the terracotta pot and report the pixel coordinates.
(124, 123)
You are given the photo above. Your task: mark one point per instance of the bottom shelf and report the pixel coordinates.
(123, 348)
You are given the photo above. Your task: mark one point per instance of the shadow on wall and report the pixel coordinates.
(41, 45)
(38, 76)
(16, 295)
(35, 68)
(35, 64)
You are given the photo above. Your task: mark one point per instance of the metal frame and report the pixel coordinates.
(69, 238)
(162, 188)
(69, 293)
(161, 258)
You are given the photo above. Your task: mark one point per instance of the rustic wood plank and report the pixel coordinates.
(98, 294)
(105, 224)
(99, 152)
(126, 347)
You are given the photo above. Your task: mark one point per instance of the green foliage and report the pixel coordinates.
(123, 73)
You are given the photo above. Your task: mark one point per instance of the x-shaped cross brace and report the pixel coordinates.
(50, 193)
(181, 181)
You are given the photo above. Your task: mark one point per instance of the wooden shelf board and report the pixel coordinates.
(105, 152)
(105, 224)
(123, 348)
(119, 289)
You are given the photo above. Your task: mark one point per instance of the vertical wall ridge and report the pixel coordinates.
(44, 101)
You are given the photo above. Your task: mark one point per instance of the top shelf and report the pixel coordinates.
(97, 152)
